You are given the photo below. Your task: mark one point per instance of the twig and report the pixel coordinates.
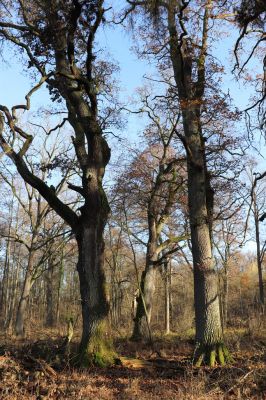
(240, 380)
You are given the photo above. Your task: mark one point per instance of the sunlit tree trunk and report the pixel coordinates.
(209, 336)
(259, 253)
(24, 299)
(6, 272)
(147, 286)
(143, 315)
(167, 297)
(15, 278)
(93, 345)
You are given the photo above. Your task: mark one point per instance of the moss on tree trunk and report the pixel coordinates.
(212, 355)
(95, 348)
(99, 351)
(141, 330)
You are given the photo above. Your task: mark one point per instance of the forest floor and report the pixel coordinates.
(32, 370)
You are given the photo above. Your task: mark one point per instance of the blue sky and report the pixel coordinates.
(14, 82)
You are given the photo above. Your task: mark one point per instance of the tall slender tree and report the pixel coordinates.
(180, 41)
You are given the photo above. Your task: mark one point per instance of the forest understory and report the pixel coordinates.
(36, 368)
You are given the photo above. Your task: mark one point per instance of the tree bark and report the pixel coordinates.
(24, 299)
(156, 218)
(15, 278)
(209, 336)
(259, 254)
(73, 80)
(5, 281)
(6, 278)
(167, 296)
(50, 309)
(94, 346)
(142, 319)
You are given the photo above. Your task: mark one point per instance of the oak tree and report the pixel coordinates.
(58, 39)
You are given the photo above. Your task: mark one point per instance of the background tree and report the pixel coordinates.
(155, 181)
(257, 206)
(36, 216)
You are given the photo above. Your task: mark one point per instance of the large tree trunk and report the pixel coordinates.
(167, 296)
(259, 254)
(95, 347)
(200, 195)
(24, 299)
(142, 319)
(209, 336)
(74, 81)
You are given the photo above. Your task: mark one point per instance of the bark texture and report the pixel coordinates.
(142, 319)
(260, 254)
(167, 294)
(209, 336)
(94, 347)
(24, 299)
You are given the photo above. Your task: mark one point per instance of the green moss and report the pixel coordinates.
(199, 360)
(221, 356)
(99, 352)
(212, 359)
(210, 355)
(227, 355)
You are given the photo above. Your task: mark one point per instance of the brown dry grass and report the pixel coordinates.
(35, 370)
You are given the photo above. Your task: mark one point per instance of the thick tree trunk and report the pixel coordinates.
(142, 319)
(259, 260)
(200, 195)
(95, 347)
(209, 336)
(24, 299)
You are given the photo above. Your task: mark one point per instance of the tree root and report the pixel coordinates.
(212, 355)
